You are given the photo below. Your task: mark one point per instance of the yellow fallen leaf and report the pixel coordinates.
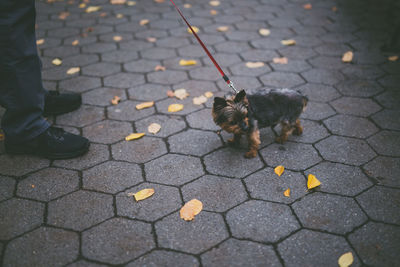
(75, 42)
(117, 2)
(91, 9)
(63, 15)
(73, 70)
(159, 68)
(117, 38)
(280, 60)
(184, 62)
(144, 105)
(103, 14)
(116, 99)
(151, 39)
(312, 181)
(33, 186)
(307, 6)
(40, 42)
(82, 5)
(214, 3)
(288, 42)
(175, 107)
(213, 12)
(57, 62)
(131, 3)
(195, 29)
(159, 1)
(187, 5)
(347, 57)
(134, 136)
(264, 32)
(208, 94)
(279, 170)
(119, 16)
(1, 136)
(287, 193)
(154, 128)
(393, 58)
(143, 194)
(181, 93)
(253, 65)
(346, 259)
(191, 209)
(199, 100)
(222, 28)
(144, 22)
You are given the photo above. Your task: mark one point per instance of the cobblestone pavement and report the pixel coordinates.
(78, 213)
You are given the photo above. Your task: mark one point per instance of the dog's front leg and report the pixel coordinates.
(235, 140)
(253, 138)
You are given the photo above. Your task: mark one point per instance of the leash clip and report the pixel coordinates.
(233, 87)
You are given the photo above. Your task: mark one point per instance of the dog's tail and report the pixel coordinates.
(305, 102)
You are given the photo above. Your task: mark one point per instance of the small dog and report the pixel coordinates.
(243, 114)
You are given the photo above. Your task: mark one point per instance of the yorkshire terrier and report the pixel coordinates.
(243, 114)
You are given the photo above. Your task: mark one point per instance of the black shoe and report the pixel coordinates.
(56, 103)
(54, 143)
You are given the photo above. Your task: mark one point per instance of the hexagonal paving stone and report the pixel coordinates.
(119, 56)
(169, 169)
(317, 111)
(294, 156)
(312, 132)
(202, 120)
(168, 77)
(328, 77)
(389, 99)
(80, 84)
(19, 216)
(318, 92)
(101, 69)
(377, 244)
(102, 96)
(190, 51)
(169, 124)
(242, 69)
(172, 42)
(350, 126)
(61, 51)
(340, 179)
(235, 252)
(139, 151)
(254, 220)
(330, 213)
(355, 106)
(359, 88)
(158, 53)
(196, 88)
(293, 66)
(232, 47)
(64, 212)
(386, 143)
(165, 258)
(117, 241)
(127, 111)
(124, 80)
(281, 79)
(7, 187)
(188, 106)
(99, 48)
(224, 60)
(112, 176)
(215, 192)
(21, 165)
(97, 154)
(388, 119)
(362, 71)
(148, 92)
(107, 131)
(390, 80)
(141, 66)
(321, 249)
(381, 204)
(85, 115)
(204, 232)
(204, 73)
(43, 247)
(194, 142)
(386, 170)
(266, 185)
(258, 55)
(345, 150)
(79, 60)
(230, 162)
(83, 263)
(48, 184)
(165, 200)
(265, 43)
(326, 62)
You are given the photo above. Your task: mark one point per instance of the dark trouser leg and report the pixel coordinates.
(21, 90)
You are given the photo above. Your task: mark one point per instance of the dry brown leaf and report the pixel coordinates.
(181, 93)
(346, 259)
(184, 62)
(393, 58)
(144, 22)
(175, 107)
(215, 3)
(117, 38)
(191, 209)
(159, 68)
(279, 170)
(287, 193)
(82, 5)
(187, 5)
(334, 9)
(151, 39)
(200, 100)
(253, 65)
(103, 14)
(131, 3)
(134, 136)
(307, 6)
(33, 186)
(91, 9)
(89, 29)
(116, 99)
(213, 12)
(223, 28)
(170, 93)
(117, 2)
(57, 61)
(75, 42)
(40, 42)
(195, 29)
(143, 194)
(288, 42)
(264, 32)
(73, 70)
(347, 57)
(159, 1)
(208, 94)
(154, 128)
(145, 105)
(119, 16)
(63, 15)
(312, 181)
(280, 60)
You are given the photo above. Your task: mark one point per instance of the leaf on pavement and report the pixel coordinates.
(175, 107)
(181, 93)
(170, 93)
(213, 12)
(184, 62)
(82, 5)
(117, 38)
(287, 193)
(119, 16)
(223, 28)
(144, 22)
(187, 5)
(57, 61)
(208, 94)
(346, 259)
(73, 70)
(347, 57)
(393, 58)
(253, 65)
(279, 170)
(264, 32)
(40, 42)
(1, 136)
(151, 39)
(63, 15)
(117, 2)
(154, 128)
(214, 3)
(191, 209)
(307, 6)
(159, 68)
(131, 3)
(145, 105)
(134, 136)
(288, 42)
(280, 60)
(91, 9)
(159, 1)
(75, 42)
(312, 181)
(143, 194)
(116, 99)
(195, 29)
(200, 100)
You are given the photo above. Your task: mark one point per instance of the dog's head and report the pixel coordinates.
(231, 114)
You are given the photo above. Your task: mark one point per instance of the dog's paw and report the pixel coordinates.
(298, 131)
(233, 142)
(280, 140)
(250, 154)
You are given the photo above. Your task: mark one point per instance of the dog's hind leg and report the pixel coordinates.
(298, 128)
(287, 130)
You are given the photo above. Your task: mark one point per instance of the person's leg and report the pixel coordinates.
(21, 90)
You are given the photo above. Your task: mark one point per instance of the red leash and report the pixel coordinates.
(208, 52)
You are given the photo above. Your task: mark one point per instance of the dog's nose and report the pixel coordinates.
(244, 126)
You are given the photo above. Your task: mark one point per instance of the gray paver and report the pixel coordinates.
(102, 96)
(107, 131)
(148, 92)
(100, 69)
(7, 187)
(169, 124)
(127, 111)
(317, 111)
(85, 115)
(124, 80)
(194, 142)
(388, 119)
(386, 170)
(21, 165)
(312, 132)
(324, 76)
(83, 263)
(281, 79)
(351, 126)
(389, 99)
(359, 88)
(139, 151)
(165, 258)
(386, 143)
(355, 106)
(202, 120)
(80, 84)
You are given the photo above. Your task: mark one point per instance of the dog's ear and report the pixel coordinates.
(240, 96)
(219, 102)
